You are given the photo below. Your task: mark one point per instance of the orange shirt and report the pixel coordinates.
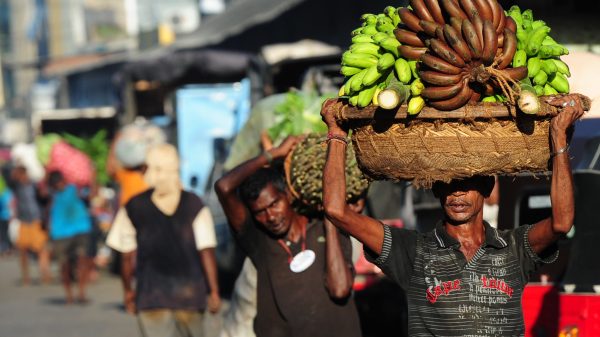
(132, 183)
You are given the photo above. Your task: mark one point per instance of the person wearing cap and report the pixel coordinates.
(464, 278)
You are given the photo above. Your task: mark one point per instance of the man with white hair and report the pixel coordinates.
(172, 233)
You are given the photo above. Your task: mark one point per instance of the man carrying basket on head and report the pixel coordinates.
(304, 271)
(464, 278)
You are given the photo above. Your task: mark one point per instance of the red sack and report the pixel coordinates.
(75, 166)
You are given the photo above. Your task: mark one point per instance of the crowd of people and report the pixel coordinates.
(463, 278)
(52, 218)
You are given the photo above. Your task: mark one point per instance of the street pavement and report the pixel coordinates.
(40, 311)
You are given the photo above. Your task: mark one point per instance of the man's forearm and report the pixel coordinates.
(334, 182)
(234, 178)
(547, 231)
(338, 275)
(561, 193)
(209, 265)
(127, 270)
(367, 230)
(226, 188)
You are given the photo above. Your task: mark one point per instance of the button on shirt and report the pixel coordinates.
(450, 296)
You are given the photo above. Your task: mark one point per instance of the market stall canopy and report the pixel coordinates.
(204, 66)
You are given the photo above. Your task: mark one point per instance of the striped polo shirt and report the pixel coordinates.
(450, 296)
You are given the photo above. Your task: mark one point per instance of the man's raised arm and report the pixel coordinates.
(547, 231)
(226, 186)
(367, 230)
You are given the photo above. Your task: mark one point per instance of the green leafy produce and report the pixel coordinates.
(299, 113)
(95, 147)
(43, 145)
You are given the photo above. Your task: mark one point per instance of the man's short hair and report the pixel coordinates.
(54, 178)
(483, 184)
(251, 187)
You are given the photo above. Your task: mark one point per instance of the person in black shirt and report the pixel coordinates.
(304, 268)
(170, 233)
(464, 278)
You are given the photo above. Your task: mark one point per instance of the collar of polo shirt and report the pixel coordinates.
(492, 237)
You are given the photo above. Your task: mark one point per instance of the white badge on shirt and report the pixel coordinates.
(302, 261)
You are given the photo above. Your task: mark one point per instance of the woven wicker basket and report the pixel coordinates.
(481, 139)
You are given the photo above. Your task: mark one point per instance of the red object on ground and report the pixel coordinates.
(75, 165)
(547, 311)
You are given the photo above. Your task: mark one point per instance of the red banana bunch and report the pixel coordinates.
(464, 49)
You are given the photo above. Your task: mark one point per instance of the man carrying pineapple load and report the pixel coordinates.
(464, 278)
(304, 266)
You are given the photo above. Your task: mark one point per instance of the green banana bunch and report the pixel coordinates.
(371, 58)
(537, 50)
